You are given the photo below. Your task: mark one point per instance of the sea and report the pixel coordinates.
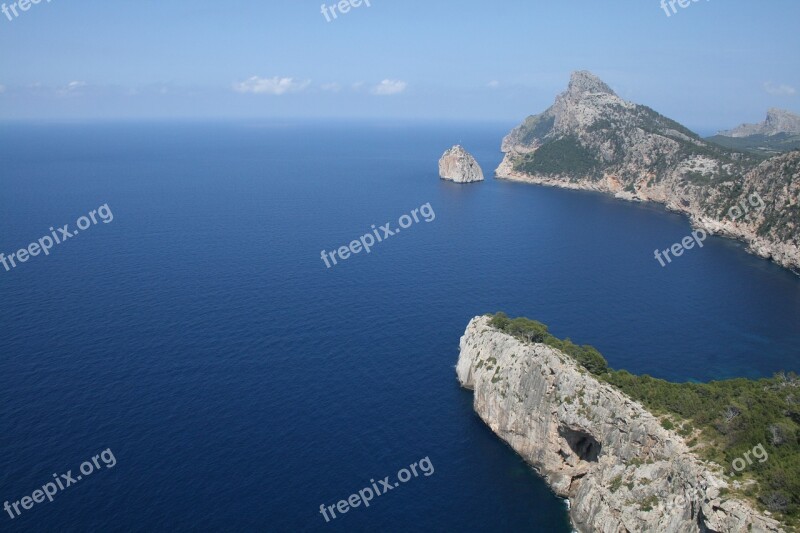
(241, 384)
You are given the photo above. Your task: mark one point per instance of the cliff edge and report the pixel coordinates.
(621, 470)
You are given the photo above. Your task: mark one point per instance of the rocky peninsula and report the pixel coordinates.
(592, 139)
(621, 469)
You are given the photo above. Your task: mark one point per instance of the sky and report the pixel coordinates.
(711, 65)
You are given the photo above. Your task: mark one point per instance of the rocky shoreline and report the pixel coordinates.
(591, 139)
(619, 468)
(785, 254)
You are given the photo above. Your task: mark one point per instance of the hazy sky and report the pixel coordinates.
(713, 64)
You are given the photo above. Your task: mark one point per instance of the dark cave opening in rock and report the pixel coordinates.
(583, 444)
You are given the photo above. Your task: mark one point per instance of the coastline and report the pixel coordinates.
(615, 462)
(783, 254)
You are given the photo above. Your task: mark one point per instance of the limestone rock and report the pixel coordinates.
(620, 469)
(458, 165)
(592, 139)
(778, 121)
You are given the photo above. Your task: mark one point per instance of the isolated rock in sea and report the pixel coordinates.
(620, 469)
(458, 165)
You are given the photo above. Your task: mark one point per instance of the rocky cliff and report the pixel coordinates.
(778, 121)
(590, 138)
(458, 165)
(620, 469)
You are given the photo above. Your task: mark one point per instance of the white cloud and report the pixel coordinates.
(332, 87)
(72, 88)
(275, 86)
(494, 84)
(779, 89)
(389, 87)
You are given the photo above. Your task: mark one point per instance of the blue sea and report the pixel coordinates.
(240, 384)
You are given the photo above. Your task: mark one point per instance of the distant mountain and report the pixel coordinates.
(778, 121)
(764, 145)
(780, 132)
(590, 138)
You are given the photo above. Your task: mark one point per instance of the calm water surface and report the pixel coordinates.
(241, 384)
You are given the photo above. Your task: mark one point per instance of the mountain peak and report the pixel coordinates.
(583, 82)
(778, 121)
(780, 115)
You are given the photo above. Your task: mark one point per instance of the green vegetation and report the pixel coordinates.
(536, 127)
(764, 145)
(533, 331)
(697, 177)
(563, 156)
(602, 124)
(649, 503)
(654, 122)
(732, 417)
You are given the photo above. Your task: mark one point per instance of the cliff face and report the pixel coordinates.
(777, 121)
(458, 165)
(620, 469)
(592, 139)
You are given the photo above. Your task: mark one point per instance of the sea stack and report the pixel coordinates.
(458, 165)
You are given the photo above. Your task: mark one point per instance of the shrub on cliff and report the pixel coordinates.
(529, 330)
(500, 321)
(563, 156)
(733, 416)
(587, 356)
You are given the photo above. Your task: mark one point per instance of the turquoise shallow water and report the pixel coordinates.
(241, 384)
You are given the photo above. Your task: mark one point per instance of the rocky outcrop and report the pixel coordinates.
(592, 139)
(778, 121)
(621, 470)
(458, 165)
